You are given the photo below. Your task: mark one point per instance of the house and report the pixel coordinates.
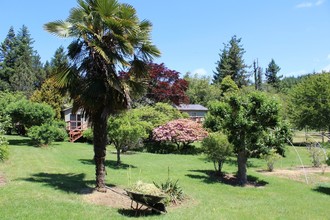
(195, 111)
(76, 123)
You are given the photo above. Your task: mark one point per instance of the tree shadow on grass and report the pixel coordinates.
(210, 176)
(67, 182)
(109, 163)
(21, 142)
(323, 189)
(28, 142)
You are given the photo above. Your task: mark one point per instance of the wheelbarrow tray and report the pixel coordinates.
(145, 198)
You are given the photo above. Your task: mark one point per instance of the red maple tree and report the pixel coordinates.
(166, 86)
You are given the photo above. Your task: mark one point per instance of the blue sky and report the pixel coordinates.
(190, 34)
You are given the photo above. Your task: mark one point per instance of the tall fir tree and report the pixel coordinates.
(8, 57)
(221, 71)
(50, 92)
(60, 58)
(232, 63)
(21, 65)
(271, 74)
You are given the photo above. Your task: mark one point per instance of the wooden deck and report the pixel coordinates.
(75, 129)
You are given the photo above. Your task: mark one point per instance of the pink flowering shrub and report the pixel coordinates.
(180, 132)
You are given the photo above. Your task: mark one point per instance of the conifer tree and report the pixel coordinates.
(8, 57)
(271, 74)
(232, 63)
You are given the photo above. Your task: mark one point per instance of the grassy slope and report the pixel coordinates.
(47, 184)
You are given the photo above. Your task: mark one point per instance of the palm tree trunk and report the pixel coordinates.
(100, 142)
(241, 161)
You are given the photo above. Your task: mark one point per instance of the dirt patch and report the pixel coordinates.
(313, 174)
(114, 197)
(2, 180)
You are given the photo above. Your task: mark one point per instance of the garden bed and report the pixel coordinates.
(314, 174)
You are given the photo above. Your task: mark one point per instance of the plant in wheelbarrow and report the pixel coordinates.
(147, 194)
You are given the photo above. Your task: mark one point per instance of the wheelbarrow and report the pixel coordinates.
(144, 202)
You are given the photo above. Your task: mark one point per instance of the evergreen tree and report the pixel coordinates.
(222, 67)
(23, 78)
(232, 63)
(50, 92)
(8, 57)
(271, 74)
(28, 70)
(39, 70)
(60, 58)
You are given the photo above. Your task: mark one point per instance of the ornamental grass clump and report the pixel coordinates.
(172, 190)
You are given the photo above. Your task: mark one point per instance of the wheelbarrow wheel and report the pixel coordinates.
(158, 208)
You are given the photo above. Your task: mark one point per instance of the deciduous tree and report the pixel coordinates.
(250, 121)
(166, 85)
(218, 149)
(126, 131)
(310, 103)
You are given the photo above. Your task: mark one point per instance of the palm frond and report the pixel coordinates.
(107, 8)
(59, 28)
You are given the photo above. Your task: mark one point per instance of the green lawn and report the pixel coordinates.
(46, 183)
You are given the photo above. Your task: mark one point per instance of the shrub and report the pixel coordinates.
(158, 147)
(328, 160)
(4, 150)
(217, 148)
(317, 155)
(271, 158)
(181, 132)
(25, 114)
(47, 133)
(88, 135)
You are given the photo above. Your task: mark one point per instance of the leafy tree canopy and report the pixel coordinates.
(25, 114)
(126, 130)
(310, 102)
(250, 121)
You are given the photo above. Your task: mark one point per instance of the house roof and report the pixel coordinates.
(191, 107)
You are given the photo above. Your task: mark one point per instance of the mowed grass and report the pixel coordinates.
(48, 183)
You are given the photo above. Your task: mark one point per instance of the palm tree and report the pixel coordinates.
(108, 38)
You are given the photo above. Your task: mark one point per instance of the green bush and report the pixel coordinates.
(317, 155)
(160, 147)
(4, 150)
(88, 135)
(25, 114)
(328, 160)
(47, 133)
(217, 148)
(271, 158)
